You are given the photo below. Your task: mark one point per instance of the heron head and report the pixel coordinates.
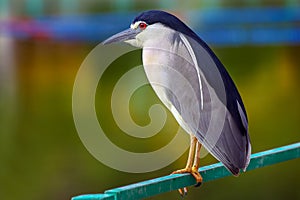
(152, 26)
(130, 35)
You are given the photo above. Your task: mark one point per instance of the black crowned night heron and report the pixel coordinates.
(193, 84)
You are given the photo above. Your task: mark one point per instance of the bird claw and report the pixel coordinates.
(198, 184)
(194, 172)
(183, 191)
(197, 176)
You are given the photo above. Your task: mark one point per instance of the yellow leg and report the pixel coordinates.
(192, 164)
(191, 152)
(189, 164)
(196, 164)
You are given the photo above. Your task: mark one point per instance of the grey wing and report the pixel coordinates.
(217, 116)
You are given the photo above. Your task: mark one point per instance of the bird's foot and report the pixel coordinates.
(194, 172)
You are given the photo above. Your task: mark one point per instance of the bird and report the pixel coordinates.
(191, 81)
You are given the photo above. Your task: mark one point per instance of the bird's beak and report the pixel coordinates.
(125, 35)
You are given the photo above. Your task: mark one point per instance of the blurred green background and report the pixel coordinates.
(41, 155)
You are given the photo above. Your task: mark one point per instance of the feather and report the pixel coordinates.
(196, 88)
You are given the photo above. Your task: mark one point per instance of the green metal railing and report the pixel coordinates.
(175, 181)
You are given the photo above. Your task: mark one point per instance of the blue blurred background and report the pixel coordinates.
(43, 43)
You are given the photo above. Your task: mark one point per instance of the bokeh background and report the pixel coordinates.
(44, 42)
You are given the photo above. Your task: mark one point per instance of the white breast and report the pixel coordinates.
(158, 68)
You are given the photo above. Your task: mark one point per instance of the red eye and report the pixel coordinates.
(142, 25)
